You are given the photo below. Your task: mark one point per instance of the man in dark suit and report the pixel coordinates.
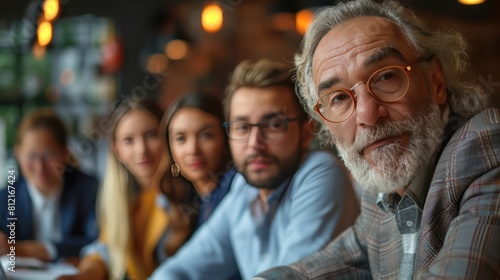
(414, 135)
(48, 210)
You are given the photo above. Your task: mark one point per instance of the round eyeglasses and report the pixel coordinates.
(271, 129)
(388, 84)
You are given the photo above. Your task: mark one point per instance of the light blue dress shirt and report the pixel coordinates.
(244, 236)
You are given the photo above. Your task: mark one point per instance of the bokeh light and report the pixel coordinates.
(211, 18)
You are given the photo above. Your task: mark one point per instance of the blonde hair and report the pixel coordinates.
(118, 192)
(114, 214)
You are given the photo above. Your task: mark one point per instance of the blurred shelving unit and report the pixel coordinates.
(76, 74)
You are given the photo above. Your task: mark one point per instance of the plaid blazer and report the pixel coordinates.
(460, 227)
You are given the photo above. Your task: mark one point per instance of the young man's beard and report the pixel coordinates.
(395, 166)
(286, 169)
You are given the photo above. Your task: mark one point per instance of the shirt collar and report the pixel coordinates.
(274, 197)
(418, 188)
(39, 200)
(258, 210)
(416, 192)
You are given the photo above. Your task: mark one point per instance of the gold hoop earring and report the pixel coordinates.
(175, 169)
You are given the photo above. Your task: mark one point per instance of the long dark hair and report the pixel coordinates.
(207, 103)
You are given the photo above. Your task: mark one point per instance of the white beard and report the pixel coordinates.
(395, 166)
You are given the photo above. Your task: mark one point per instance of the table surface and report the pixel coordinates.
(50, 272)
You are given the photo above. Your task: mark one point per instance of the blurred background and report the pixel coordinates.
(80, 56)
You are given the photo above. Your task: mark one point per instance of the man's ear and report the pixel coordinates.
(307, 132)
(438, 84)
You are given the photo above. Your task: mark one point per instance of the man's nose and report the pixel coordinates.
(255, 139)
(368, 109)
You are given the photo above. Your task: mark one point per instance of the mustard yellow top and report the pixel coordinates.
(149, 222)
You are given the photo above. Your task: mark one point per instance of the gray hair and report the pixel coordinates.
(465, 99)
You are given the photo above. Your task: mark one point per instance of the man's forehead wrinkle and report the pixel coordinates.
(344, 27)
(344, 50)
(383, 52)
(352, 53)
(326, 84)
(351, 41)
(346, 47)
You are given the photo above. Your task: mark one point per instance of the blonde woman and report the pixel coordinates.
(136, 231)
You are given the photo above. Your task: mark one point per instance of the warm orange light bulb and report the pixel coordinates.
(157, 63)
(50, 9)
(176, 49)
(302, 20)
(471, 2)
(44, 33)
(211, 18)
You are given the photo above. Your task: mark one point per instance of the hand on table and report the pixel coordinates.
(4, 244)
(80, 276)
(89, 269)
(34, 249)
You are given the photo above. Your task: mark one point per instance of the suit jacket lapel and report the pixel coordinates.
(67, 207)
(438, 212)
(24, 223)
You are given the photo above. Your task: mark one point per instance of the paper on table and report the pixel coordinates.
(45, 271)
(23, 262)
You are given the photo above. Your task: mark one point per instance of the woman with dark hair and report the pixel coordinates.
(199, 152)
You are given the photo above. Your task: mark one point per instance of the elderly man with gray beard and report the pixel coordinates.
(414, 135)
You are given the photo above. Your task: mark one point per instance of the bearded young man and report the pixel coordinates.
(286, 202)
(389, 91)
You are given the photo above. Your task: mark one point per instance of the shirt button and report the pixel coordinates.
(409, 223)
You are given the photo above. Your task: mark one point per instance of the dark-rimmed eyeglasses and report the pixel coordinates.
(388, 84)
(271, 129)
